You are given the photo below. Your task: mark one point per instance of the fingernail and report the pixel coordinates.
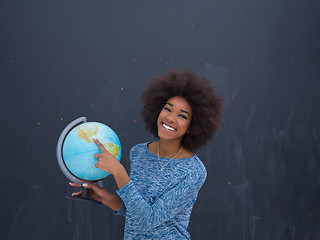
(72, 194)
(85, 184)
(70, 183)
(94, 138)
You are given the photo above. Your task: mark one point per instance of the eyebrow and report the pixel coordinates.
(184, 111)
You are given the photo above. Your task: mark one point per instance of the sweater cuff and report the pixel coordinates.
(128, 194)
(125, 188)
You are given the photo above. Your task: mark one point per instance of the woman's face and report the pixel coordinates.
(174, 119)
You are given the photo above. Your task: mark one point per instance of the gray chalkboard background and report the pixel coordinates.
(61, 60)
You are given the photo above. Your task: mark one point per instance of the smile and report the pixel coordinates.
(168, 127)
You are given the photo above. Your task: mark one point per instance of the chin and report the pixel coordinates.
(169, 138)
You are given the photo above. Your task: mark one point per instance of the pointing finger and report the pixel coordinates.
(100, 146)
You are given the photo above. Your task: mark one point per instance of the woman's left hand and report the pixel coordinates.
(106, 161)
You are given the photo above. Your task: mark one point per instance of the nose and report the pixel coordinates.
(170, 118)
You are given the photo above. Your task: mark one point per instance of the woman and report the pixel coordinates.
(183, 111)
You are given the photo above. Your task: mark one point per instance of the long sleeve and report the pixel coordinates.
(157, 204)
(166, 206)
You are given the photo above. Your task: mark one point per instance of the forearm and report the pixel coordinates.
(112, 201)
(121, 176)
(145, 216)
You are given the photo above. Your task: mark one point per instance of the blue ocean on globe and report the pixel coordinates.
(79, 148)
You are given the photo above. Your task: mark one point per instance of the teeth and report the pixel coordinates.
(168, 127)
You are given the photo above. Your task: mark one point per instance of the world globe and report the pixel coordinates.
(76, 149)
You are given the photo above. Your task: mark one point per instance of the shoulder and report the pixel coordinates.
(196, 168)
(139, 147)
(191, 169)
(188, 171)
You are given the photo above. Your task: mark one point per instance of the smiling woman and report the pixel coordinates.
(198, 91)
(174, 119)
(183, 111)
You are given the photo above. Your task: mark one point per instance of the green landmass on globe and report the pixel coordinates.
(86, 134)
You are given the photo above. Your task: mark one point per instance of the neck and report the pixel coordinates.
(168, 149)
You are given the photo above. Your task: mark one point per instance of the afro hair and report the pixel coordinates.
(198, 91)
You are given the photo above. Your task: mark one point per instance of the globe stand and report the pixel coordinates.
(64, 168)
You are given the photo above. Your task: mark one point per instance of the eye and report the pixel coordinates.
(183, 116)
(167, 109)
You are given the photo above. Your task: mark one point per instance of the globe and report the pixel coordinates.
(76, 148)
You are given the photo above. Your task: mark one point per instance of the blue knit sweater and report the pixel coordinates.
(157, 204)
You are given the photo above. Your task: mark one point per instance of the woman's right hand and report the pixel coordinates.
(99, 194)
(95, 192)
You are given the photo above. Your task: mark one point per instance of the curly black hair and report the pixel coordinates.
(198, 91)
